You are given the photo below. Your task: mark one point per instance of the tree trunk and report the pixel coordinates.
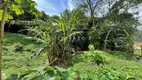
(1, 35)
(106, 39)
(91, 8)
(92, 17)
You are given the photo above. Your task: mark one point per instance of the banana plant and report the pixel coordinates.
(66, 30)
(56, 38)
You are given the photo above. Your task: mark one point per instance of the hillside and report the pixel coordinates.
(116, 63)
(17, 51)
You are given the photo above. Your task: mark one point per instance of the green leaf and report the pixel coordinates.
(83, 76)
(13, 77)
(16, 9)
(39, 77)
(44, 36)
(26, 72)
(38, 69)
(48, 77)
(104, 77)
(74, 33)
(130, 77)
(60, 69)
(126, 33)
(8, 16)
(49, 70)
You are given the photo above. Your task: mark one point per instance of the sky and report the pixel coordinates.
(53, 7)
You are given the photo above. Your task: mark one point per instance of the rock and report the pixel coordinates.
(138, 57)
(18, 48)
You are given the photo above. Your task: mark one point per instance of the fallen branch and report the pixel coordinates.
(53, 61)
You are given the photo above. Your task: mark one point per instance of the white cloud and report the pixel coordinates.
(52, 13)
(52, 8)
(44, 5)
(70, 5)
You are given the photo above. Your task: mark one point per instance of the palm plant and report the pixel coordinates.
(56, 37)
(65, 30)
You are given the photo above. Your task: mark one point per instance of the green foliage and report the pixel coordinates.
(115, 29)
(100, 73)
(67, 74)
(118, 67)
(94, 37)
(19, 9)
(30, 12)
(43, 16)
(13, 7)
(82, 71)
(80, 17)
(39, 73)
(7, 15)
(114, 32)
(95, 56)
(76, 59)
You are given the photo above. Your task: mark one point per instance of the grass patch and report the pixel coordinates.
(138, 52)
(13, 61)
(138, 42)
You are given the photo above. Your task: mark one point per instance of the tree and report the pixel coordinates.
(137, 36)
(89, 6)
(55, 17)
(43, 16)
(114, 15)
(1, 34)
(83, 19)
(118, 14)
(29, 11)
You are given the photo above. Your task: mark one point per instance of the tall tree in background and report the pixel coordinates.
(118, 14)
(44, 16)
(111, 15)
(90, 6)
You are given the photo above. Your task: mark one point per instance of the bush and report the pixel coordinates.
(95, 56)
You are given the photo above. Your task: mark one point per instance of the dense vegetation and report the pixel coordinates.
(95, 41)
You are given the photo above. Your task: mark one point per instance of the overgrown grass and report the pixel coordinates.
(118, 64)
(125, 65)
(14, 61)
(138, 52)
